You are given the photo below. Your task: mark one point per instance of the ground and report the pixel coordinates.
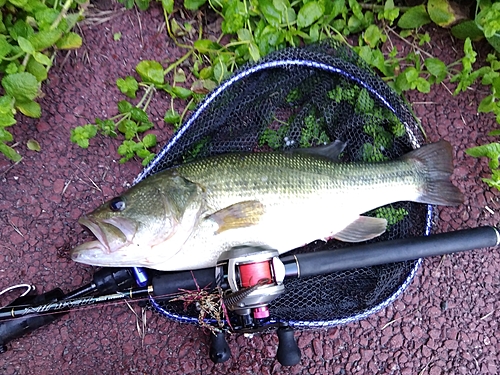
(445, 322)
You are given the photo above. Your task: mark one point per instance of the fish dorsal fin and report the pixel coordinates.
(362, 229)
(330, 151)
(238, 215)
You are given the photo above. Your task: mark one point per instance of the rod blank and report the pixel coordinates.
(367, 255)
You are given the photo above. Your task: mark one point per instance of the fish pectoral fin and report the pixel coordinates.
(362, 229)
(238, 215)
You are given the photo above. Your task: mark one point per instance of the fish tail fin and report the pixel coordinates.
(437, 161)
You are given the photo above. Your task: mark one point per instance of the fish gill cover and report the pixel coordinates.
(303, 97)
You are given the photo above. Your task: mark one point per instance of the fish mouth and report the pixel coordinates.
(96, 230)
(111, 235)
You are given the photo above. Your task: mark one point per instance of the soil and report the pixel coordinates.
(446, 322)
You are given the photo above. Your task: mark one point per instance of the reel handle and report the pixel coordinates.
(219, 349)
(288, 351)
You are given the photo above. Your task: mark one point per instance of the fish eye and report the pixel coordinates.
(117, 204)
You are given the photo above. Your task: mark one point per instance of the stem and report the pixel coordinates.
(378, 8)
(149, 96)
(146, 97)
(26, 59)
(62, 14)
(178, 62)
(186, 109)
(15, 57)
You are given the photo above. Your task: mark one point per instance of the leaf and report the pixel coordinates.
(445, 13)
(128, 128)
(172, 116)
(193, 4)
(5, 136)
(414, 18)
(128, 86)
(151, 72)
(467, 29)
(390, 11)
(46, 17)
(423, 85)
(180, 92)
(142, 4)
(37, 69)
(147, 160)
(254, 51)
(42, 59)
(309, 13)
(81, 135)
(106, 127)
(149, 140)
(235, 15)
(488, 19)
(127, 148)
(245, 35)
(486, 105)
(373, 35)
(9, 152)
(271, 14)
(437, 68)
(205, 46)
(18, 3)
(138, 115)
(5, 47)
(494, 41)
(33, 145)
(124, 106)
(6, 119)
(45, 39)
(21, 28)
(491, 151)
(25, 45)
(30, 109)
(179, 76)
(142, 153)
(168, 6)
(23, 87)
(69, 41)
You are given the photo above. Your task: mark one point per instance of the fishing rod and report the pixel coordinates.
(251, 276)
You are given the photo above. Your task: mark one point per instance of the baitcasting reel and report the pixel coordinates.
(255, 277)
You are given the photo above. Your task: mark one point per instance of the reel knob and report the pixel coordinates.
(219, 350)
(288, 352)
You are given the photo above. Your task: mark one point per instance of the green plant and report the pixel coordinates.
(31, 31)
(391, 214)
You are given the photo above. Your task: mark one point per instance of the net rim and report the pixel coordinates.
(284, 63)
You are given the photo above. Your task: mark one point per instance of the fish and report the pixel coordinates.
(185, 217)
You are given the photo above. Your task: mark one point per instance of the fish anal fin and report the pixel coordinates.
(362, 229)
(238, 215)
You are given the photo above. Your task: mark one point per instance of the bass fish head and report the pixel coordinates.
(163, 208)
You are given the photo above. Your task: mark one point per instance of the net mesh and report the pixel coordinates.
(304, 97)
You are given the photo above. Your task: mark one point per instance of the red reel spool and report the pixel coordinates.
(252, 273)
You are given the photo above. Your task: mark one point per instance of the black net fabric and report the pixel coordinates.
(304, 97)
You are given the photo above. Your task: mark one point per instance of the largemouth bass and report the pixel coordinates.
(185, 217)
